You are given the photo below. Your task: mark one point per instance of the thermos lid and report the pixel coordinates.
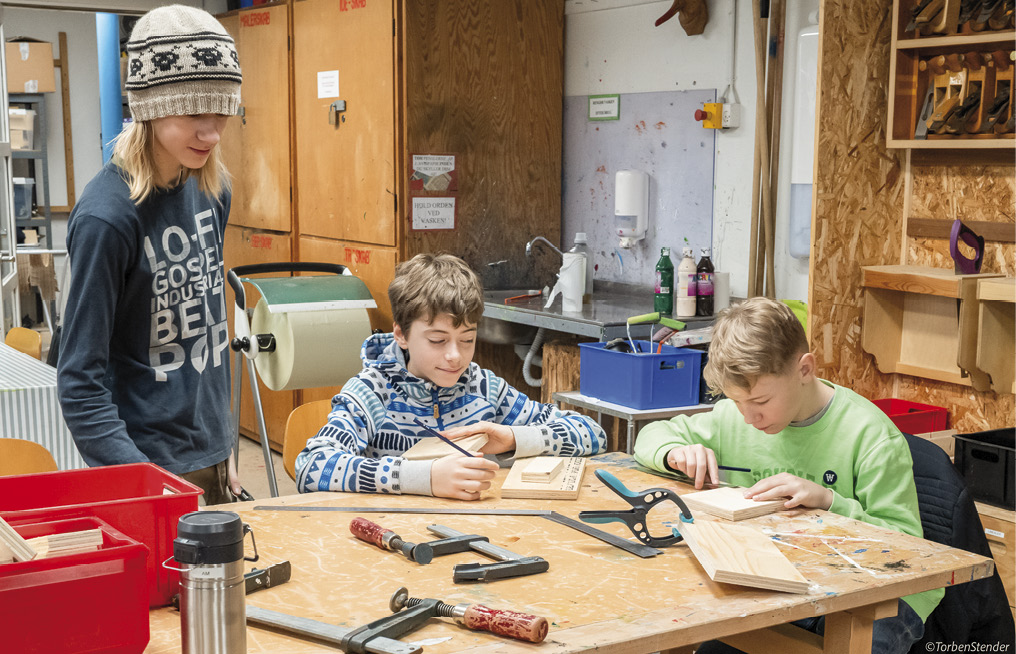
(209, 537)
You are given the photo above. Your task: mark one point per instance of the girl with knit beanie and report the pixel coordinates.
(143, 369)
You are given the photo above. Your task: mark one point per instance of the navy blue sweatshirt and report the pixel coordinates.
(143, 371)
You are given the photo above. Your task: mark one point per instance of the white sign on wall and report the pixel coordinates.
(433, 213)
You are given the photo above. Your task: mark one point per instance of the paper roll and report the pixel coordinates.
(572, 279)
(721, 291)
(312, 348)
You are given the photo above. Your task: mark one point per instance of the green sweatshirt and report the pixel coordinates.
(854, 449)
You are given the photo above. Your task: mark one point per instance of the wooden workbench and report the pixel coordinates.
(594, 595)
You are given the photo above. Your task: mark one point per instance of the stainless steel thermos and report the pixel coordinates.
(209, 549)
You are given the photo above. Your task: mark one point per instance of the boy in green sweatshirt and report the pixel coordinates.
(816, 444)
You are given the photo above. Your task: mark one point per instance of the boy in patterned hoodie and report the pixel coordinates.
(423, 371)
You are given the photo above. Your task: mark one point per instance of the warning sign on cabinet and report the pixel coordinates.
(433, 172)
(433, 213)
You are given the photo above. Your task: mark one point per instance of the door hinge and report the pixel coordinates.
(395, 196)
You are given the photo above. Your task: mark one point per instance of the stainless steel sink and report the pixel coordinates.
(501, 332)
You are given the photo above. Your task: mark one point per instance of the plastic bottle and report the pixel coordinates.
(580, 247)
(663, 300)
(704, 285)
(684, 292)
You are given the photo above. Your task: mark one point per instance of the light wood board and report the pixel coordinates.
(565, 486)
(741, 555)
(730, 504)
(543, 469)
(18, 546)
(70, 542)
(434, 448)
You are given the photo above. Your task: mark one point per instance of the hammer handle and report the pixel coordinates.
(521, 626)
(369, 532)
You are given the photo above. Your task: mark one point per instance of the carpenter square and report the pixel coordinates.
(510, 564)
(434, 510)
(638, 549)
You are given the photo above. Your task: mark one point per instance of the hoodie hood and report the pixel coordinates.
(381, 354)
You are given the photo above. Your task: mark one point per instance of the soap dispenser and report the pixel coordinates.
(631, 206)
(581, 248)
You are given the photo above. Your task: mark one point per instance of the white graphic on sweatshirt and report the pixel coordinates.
(188, 320)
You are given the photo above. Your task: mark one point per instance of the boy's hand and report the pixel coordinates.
(696, 461)
(800, 491)
(461, 477)
(500, 438)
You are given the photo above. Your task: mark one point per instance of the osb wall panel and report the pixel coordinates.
(858, 214)
(859, 188)
(971, 193)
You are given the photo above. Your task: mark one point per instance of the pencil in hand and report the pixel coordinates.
(432, 432)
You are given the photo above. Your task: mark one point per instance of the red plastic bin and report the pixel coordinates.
(141, 500)
(87, 602)
(912, 417)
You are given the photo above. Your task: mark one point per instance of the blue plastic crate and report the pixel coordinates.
(641, 381)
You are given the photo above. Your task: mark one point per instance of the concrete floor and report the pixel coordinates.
(254, 477)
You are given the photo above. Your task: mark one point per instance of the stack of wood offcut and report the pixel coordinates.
(15, 548)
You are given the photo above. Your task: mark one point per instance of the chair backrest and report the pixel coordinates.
(973, 612)
(304, 423)
(24, 340)
(21, 457)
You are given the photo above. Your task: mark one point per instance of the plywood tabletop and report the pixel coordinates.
(594, 595)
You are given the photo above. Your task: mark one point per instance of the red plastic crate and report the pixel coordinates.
(912, 417)
(87, 602)
(141, 500)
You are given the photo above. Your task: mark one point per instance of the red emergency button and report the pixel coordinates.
(701, 115)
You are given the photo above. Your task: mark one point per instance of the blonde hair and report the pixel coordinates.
(754, 338)
(134, 152)
(431, 284)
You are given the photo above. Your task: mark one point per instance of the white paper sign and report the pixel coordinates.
(433, 165)
(433, 213)
(328, 84)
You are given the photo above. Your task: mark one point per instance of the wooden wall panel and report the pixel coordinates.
(859, 188)
(859, 213)
(489, 67)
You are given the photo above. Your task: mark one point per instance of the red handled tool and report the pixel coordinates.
(386, 539)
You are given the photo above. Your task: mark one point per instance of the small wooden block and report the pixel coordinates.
(70, 542)
(564, 486)
(729, 503)
(19, 546)
(6, 555)
(736, 554)
(431, 447)
(543, 469)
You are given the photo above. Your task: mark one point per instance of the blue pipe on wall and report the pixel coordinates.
(107, 33)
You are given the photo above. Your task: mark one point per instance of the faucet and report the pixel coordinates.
(529, 246)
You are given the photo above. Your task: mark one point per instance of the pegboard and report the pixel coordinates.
(656, 133)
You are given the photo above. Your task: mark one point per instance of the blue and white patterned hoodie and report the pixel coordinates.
(371, 425)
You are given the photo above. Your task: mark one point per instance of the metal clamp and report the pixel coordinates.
(335, 110)
(635, 518)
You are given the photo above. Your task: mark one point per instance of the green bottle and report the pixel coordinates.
(663, 301)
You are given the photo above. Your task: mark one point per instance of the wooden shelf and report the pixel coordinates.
(996, 332)
(923, 322)
(910, 87)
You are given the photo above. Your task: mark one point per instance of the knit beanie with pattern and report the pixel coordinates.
(181, 62)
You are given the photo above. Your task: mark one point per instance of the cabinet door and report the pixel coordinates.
(343, 50)
(375, 266)
(256, 144)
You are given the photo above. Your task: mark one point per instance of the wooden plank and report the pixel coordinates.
(968, 336)
(942, 228)
(19, 547)
(777, 640)
(999, 290)
(920, 280)
(345, 173)
(741, 555)
(729, 503)
(563, 487)
(929, 332)
(65, 102)
(66, 543)
(542, 469)
(434, 448)
(847, 633)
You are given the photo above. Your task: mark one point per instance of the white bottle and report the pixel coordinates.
(684, 286)
(580, 248)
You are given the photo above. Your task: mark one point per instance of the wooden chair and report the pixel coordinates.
(21, 457)
(303, 423)
(24, 340)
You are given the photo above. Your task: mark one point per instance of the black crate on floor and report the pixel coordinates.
(985, 459)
